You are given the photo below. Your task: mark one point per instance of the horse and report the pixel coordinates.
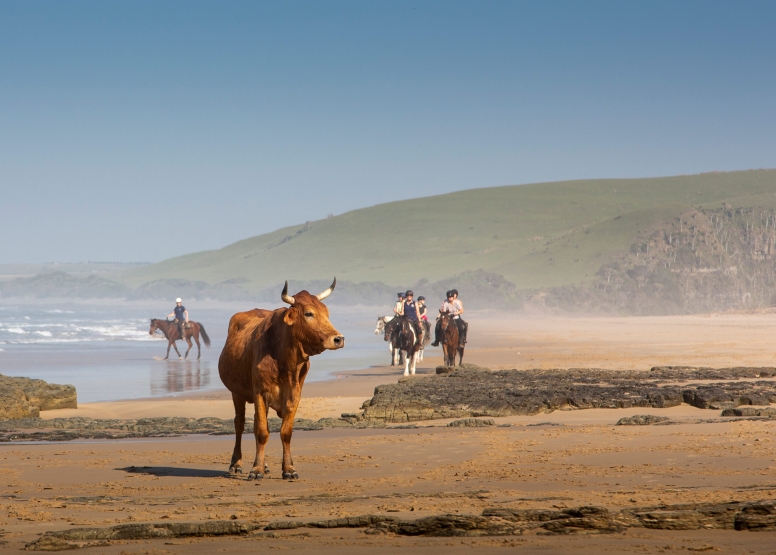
(386, 325)
(170, 331)
(405, 339)
(450, 340)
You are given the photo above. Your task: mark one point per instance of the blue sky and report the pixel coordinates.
(122, 121)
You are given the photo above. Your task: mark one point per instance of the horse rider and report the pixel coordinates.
(463, 326)
(397, 307)
(409, 309)
(422, 311)
(181, 316)
(455, 307)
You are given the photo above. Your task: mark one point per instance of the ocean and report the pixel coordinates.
(106, 352)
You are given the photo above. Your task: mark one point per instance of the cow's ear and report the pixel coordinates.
(290, 317)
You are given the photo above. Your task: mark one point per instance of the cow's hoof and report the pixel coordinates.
(266, 469)
(253, 475)
(235, 470)
(290, 475)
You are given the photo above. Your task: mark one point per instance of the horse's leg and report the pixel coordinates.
(235, 467)
(261, 431)
(168, 350)
(175, 346)
(199, 350)
(406, 364)
(188, 341)
(460, 355)
(414, 362)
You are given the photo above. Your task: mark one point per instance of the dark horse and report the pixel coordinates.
(170, 331)
(405, 340)
(450, 342)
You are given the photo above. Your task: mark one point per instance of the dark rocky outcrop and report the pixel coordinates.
(64, 429)
(25, 397)
(641, 420)
(471, 423)
(93, 537)
(754, 516)
(470, 391)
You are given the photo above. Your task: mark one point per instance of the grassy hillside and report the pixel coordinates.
(536, 236)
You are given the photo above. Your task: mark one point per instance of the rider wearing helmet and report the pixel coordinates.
(423, 318)
(463, 327)
(181, 316)
(397, 306)
(452, 305)
(409, 308)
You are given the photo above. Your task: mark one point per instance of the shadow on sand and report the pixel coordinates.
(174, 471)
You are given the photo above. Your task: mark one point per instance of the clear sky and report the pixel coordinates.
(136, 131)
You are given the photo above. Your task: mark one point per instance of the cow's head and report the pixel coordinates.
(309, 321)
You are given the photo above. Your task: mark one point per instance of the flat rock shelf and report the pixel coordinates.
(470, 391)
(756, 516)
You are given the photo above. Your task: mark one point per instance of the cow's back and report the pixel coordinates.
(236, 360)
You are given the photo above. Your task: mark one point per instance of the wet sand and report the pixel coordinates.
(561, 459)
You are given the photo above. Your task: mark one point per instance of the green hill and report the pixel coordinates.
(681, 244)
(535, 236)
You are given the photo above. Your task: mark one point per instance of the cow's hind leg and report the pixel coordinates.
(261, 431)
(235, 467)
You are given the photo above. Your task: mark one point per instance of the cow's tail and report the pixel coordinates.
(205, 337)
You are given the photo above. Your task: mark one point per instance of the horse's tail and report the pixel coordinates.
(205, 338)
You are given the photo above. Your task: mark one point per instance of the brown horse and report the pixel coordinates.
(170, 331)
(450, 343)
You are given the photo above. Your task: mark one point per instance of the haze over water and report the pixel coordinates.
(106, 352)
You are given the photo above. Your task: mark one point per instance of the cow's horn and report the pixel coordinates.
(285, 296)
(326, 293)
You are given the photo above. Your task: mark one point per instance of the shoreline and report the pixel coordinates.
(497, 342)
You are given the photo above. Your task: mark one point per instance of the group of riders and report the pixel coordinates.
(406, 306)
(415, 312)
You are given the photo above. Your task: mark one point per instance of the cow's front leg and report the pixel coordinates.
(261, 431)
(235, 467)
(286, 430)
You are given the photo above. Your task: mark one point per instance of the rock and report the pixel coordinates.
(77, 427)
(88, 537)
(686, 517)
(757, 516)
(750, 411)
(466, 391)
(471, 423)
(451, 525)
(25, 397)
(641, 420)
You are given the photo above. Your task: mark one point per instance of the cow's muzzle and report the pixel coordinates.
(338, 341)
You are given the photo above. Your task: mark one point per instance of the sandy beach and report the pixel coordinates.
(556, 460)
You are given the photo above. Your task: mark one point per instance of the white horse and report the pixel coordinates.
(396, 354)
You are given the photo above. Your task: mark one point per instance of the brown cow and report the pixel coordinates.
(265, 361)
